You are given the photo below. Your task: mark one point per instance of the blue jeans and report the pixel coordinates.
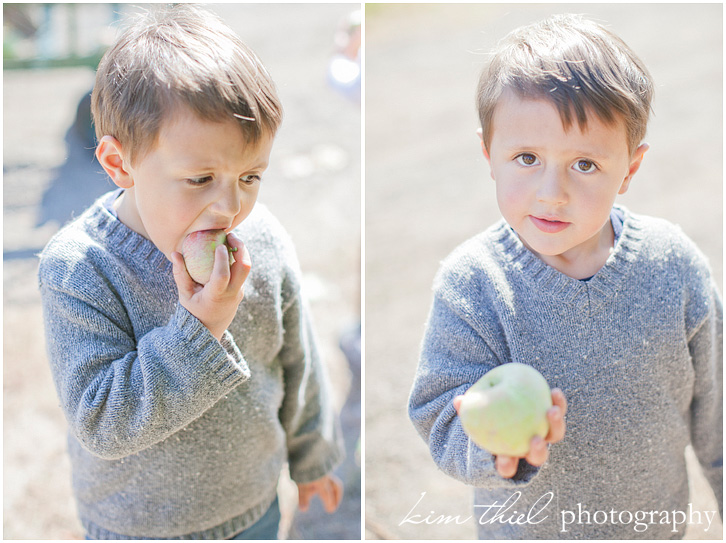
(265, 528)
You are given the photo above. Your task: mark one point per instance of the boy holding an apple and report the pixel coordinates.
(184, 400)
(618, 311)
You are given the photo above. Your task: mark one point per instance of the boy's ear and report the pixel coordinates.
(634, 165)
(110, 156)
(485, 152)
(480, 133)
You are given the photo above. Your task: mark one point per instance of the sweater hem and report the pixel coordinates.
(225, 530)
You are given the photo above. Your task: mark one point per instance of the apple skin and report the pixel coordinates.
(506, 408)
(198, 252)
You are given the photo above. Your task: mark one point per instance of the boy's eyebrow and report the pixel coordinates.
(517, 146)
(203, 166)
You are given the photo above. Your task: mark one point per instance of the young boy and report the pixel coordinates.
(618, 311)
(184, 400)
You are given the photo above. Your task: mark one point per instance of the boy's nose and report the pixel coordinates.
(227, 202)
(553, 187)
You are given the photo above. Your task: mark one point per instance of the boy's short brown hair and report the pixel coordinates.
(180, 56)
(579, 65)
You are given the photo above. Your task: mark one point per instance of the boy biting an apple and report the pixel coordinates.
(618, 311)
(185, 398)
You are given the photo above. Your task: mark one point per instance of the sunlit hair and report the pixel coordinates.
(578, 65)
(180, 56)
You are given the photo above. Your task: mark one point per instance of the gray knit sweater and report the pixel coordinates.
(637, 351)
(173, 434)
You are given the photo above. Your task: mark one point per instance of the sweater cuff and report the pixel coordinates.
(223, 356)
(234, 354)
(313, 473)
(483, 473)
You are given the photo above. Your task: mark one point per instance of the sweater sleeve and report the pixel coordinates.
(307, 415)
(706, 349)
(122, 394)
(454, 356)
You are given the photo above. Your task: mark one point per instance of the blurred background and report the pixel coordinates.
(50, 52)
(427, 189)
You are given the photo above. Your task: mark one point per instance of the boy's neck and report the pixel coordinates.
(582, 262)
(126, 212)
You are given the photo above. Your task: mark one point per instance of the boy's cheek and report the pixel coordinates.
(508, 197)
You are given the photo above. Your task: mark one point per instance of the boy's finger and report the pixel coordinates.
(506, 466)
(538, 453)
(457, 402)
(235, 243)
(220, 272)
(558, 399)
(329, 499)
(242, 262)
(336, 493)
(303, 501)
(557, 424)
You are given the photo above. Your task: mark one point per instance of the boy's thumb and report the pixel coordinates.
(184, 283)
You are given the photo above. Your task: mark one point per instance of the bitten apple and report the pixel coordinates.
(198, 252)
(506, 408)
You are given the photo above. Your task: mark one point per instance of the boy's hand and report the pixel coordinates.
(215, 303)
(329, 488)
(538, 453)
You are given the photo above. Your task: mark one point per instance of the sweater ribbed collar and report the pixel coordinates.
(592, 293)
(121, 240)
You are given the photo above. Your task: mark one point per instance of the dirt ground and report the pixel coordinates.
(313, 186)
(427, 189)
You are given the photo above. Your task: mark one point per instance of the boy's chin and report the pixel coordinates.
(541, 248)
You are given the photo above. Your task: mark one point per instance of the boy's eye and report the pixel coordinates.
(585, 166)
(527, 159)
(197, 181)
(250, 179)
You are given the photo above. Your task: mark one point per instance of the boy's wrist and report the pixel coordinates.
(217, 334)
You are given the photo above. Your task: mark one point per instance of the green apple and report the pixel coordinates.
(506, 408)
(198, 252)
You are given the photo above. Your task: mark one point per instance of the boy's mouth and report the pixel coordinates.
(224, 227)
(549, 225)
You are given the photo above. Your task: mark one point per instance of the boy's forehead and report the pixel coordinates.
(182, 121)
(518, 119)
(187, 136)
